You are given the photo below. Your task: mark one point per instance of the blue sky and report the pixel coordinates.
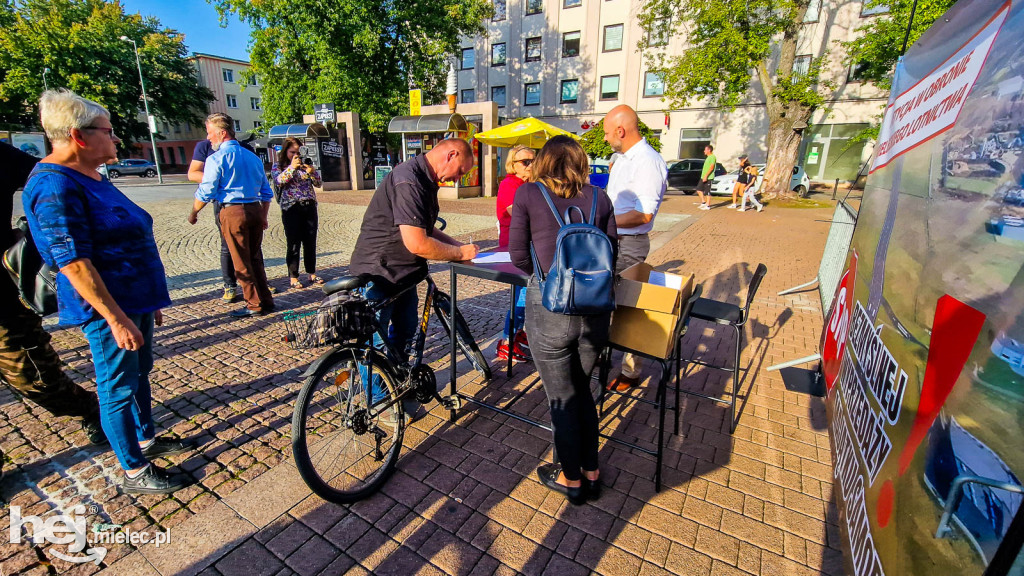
(199, 22)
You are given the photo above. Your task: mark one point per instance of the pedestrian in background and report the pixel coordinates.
(235, 177)
(295, 181)
(28, 363)
(707, 173)
(111, 282)
(517, 172)
(747, 175)
(565, 347)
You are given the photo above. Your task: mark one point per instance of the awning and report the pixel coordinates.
(529, 132)
(282, 131)
(428, 123)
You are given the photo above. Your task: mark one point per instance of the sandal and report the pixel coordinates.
(295, 283)
(314, 279)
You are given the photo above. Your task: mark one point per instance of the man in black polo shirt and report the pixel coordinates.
(27, 361)
(398, 236)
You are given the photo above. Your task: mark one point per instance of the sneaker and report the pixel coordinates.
(230, 294)
(733, 205)
(154, 480)
(741, 209)
(93, 429)
(272, 289)
(163, 447)
(760, 207)
(705, 207)
(502, 350)
(520, 348)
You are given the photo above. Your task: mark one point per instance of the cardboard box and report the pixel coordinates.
(645, 314)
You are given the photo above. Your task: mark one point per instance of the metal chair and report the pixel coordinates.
(604, 364)
(726, 314)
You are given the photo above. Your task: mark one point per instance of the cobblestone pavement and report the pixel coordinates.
(464, 498)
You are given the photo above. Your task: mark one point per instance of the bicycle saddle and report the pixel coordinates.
(346, 283)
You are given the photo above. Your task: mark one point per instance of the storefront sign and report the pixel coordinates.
(324, 113)
(415, 101)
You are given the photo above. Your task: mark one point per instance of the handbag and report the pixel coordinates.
(35, 279)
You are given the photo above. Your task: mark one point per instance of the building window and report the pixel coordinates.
(534, 7)
(531, 96)
(500, 10)
(659, 32)
(252, 80)
(232, 101)
(875, 7)
(654, 85)
(181, 153)
(160, 153)
(813, 11)
(238, 126)
(177, 128)
(856, 72)
(570, 44)
(692, 142)
(229, 74)
(257, 124)
(572, 3)
(612, 38)
(498, 95)
(570, 91)
(609, 87)
(468, 61)
(533, 49)
(254, 103)
(498, 54)
(468, 95)
(801, 65)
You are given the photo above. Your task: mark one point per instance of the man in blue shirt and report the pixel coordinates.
(235, 178)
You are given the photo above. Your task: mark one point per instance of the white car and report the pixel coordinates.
(722, 185)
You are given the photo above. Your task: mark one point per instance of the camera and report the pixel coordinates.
(306, 153)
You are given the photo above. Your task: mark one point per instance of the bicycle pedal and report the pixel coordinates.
(452, 402)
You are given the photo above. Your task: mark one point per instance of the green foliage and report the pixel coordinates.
(79, 40)
(595, 146)
(359, 54)
(875, 52)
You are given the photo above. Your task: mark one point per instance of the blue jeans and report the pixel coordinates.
(122, 384)
(514, 318)
(399, 322)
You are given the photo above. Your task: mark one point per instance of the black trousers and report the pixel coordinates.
(227, 267)
(565, 349)
(300, 227)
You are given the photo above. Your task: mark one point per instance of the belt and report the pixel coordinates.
(236, 203)
(634, 235)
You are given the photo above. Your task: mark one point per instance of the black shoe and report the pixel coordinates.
(591, 489)
(155, 480)
(268, 309)
(548, 474)
(245, 313)
(162, 447)
(93, 429)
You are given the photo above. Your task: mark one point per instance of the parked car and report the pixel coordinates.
(723, 185)
(599, 175)
(129, 167)
(685, 174)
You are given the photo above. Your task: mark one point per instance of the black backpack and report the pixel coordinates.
(582, 274)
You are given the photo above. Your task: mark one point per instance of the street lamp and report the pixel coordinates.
(145, 102)
(45, 71)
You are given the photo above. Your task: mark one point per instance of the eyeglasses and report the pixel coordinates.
(109, 131)
(525, 162)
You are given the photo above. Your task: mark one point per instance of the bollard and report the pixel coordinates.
(835, 189)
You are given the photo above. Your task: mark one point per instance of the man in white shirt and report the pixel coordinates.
(636, 187)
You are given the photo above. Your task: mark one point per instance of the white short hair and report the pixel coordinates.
(62, 110)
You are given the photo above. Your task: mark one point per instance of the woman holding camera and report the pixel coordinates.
(294, 180)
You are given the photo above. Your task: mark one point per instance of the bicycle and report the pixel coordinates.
(346, 436)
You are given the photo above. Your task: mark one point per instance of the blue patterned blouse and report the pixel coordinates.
(73, 216)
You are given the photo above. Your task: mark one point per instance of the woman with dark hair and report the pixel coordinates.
(295, 179)
(564, 347)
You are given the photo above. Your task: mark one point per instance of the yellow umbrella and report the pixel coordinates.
(527, 132)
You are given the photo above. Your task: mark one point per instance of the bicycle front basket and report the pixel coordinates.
(341, 317)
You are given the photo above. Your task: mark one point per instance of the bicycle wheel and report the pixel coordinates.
(464, 337)
(343, 451)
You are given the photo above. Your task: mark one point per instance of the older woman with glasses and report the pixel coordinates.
(111, 282)
(518, 171)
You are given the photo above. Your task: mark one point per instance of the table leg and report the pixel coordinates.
(453, 359)
(513, 331)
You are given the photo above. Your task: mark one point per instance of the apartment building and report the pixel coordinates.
(234, 96)
(569, 62)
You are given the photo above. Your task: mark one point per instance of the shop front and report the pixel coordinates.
(326, 147)
(421, 133)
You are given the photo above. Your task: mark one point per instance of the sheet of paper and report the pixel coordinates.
(492, 258)
(667, 280)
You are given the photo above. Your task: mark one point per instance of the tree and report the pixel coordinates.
(730, 43)
(874, 54)
(79, 41)
(595, 146)
(361, 55)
